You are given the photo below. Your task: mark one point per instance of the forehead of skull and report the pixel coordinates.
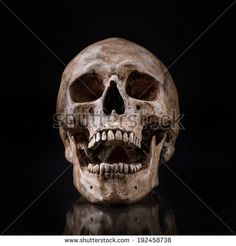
(114, 55)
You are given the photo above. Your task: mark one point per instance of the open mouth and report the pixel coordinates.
(115, 152)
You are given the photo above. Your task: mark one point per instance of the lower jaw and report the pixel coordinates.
(114, 169)
(120, 188)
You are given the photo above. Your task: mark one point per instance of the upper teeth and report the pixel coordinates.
(115, 135)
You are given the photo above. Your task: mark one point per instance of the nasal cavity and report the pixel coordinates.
(113, 100)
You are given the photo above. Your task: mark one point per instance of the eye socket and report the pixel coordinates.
(86, 88)
(142, 86)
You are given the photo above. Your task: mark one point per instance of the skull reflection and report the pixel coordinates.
(151, 216)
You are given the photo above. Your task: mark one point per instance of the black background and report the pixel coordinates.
(32, 155)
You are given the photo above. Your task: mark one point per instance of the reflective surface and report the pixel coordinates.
(148, 217)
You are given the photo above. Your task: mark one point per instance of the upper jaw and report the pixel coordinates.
(114, 134)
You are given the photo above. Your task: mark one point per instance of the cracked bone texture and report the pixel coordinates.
(114, 99)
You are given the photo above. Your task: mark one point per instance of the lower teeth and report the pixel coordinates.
(121, 168)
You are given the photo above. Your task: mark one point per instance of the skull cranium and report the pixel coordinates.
(116, 101)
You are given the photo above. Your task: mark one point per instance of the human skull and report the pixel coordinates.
(117, 103)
